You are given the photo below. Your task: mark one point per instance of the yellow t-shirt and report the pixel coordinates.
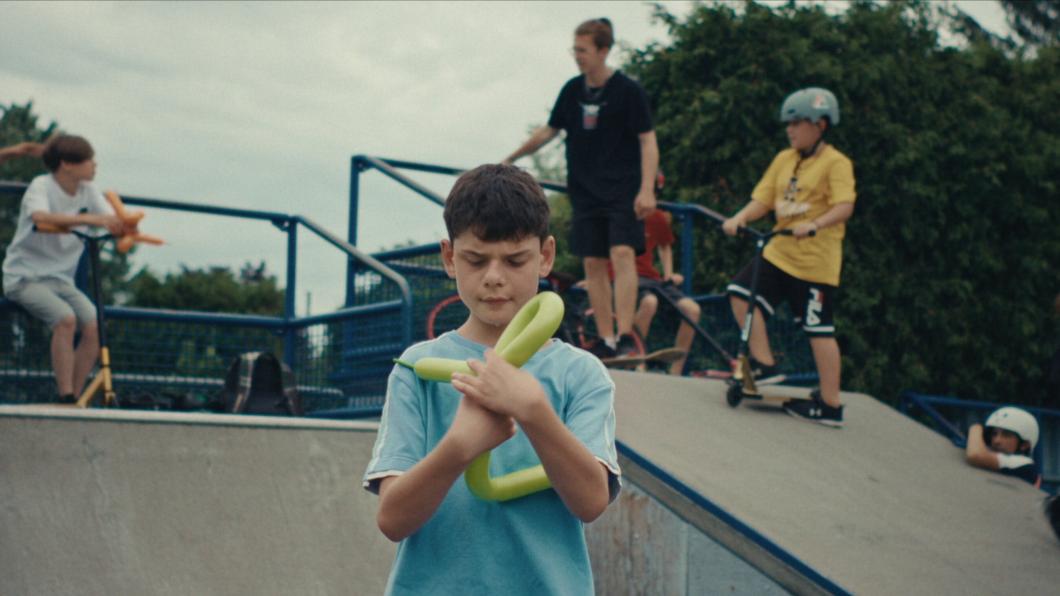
(821, 182)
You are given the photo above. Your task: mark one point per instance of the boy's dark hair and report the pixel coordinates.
(68, 148)
(497, 203)
(600, 30)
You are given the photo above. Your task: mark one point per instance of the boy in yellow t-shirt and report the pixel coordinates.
(810, 189)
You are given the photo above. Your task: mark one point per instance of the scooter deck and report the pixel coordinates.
(776, 395)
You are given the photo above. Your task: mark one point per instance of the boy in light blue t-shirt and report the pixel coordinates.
(556, 410)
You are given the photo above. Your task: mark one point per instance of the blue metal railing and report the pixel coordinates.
(409, 261)
(951, 416)
(289, 326)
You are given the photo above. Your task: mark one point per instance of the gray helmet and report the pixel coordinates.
(811, 103)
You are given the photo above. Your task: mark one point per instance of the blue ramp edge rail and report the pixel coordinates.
(727, 518)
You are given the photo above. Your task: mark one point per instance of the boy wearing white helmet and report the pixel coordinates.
(809, 187)
(1005, 443)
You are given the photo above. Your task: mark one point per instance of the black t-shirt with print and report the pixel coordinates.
(603, 149)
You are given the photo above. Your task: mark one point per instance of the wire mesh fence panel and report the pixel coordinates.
(25, 364)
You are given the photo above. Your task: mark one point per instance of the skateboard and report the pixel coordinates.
(663, 356)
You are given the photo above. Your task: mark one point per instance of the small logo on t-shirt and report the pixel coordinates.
(788, 206)
(590, 115)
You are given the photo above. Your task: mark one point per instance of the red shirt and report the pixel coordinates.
(657, 233)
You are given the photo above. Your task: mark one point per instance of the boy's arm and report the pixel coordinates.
(645, 203)
(666, 260)
(63, 220)
(408, 501)
(21, 149)
(977, 453)
(577, 476)
(752, 211)
(538, 138)
(839, 213)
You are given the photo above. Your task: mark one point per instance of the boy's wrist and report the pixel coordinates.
(534, 409)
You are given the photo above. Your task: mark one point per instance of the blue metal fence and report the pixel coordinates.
(951, 417)
(341, 358)
(421, 265)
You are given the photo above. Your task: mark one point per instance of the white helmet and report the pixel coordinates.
(1017, 421)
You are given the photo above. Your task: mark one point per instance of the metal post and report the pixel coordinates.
(351, 233)
(289, 294)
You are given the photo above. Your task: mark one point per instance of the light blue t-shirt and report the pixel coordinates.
(532, 545)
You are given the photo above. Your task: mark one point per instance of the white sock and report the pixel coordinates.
(611, 342)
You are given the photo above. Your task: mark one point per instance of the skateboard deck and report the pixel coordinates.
(663, 356)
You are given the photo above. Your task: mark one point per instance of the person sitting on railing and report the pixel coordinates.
(809, 187)
(658, 237)
(612, 157)
(26, 149)
(39, 268)
(1005, 444)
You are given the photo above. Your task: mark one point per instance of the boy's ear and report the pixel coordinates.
(548, 256)
(447, 258)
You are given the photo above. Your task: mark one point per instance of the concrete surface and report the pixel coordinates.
(123, 502)
(881, 506)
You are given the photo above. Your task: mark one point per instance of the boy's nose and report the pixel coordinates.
(494, 275)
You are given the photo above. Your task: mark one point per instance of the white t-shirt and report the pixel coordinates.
(39, 255)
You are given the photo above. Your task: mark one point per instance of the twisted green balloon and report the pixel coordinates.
(531, 329)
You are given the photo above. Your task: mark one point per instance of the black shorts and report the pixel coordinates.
(811, 303)
(593, 236)
(647, 286)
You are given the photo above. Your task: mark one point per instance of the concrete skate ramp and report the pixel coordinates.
(122, 502)
(881, 506)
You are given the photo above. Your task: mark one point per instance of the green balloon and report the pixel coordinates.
(527, 333)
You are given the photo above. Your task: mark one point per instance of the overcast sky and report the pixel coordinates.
(261, 106)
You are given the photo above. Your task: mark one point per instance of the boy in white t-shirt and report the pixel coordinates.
(39, 267)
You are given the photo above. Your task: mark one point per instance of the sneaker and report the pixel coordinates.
(627, 346)
(601, 350)
(766, 374)
(815, 410)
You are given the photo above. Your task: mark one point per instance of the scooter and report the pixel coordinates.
(742, 383)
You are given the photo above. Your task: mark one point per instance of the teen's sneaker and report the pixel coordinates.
(601, 350)
(815, 410)
(627, 346)
(766, 374)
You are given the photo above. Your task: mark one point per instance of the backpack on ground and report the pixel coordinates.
(258, 383)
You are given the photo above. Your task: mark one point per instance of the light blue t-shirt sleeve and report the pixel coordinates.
(590, 414)
(401, 441)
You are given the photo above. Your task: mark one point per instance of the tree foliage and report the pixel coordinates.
(1036, 22)
(210, 289)
(950, 258)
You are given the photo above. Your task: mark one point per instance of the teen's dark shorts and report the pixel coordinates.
(593, 236)
(671, 291)
(811, 303)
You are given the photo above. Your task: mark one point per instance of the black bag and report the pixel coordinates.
(258, 383)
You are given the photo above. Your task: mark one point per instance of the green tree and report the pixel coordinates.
(1036, 22)
(210, 289)
(950, 258)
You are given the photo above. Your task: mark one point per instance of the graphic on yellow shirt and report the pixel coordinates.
(800, 190)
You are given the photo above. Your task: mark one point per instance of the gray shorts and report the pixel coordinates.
(52, 300)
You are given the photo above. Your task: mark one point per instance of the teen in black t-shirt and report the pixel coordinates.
(612, 158)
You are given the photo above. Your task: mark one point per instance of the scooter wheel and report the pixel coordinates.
(734, 395)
